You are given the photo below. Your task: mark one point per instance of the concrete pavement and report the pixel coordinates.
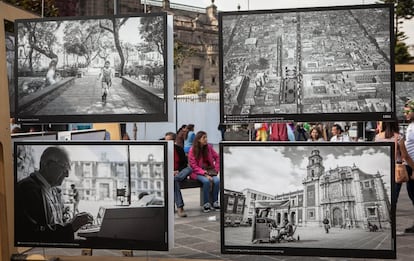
(198, 237)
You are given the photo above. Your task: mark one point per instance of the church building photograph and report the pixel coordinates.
(348, 185)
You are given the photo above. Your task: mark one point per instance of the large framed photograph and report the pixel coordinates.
(308, 199)
(95, 69)
(304, 64)
(78, 194)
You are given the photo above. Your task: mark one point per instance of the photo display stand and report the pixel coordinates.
(9, 13)
(307, 65)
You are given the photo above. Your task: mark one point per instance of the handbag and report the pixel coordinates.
(401, 174)
(211, 172)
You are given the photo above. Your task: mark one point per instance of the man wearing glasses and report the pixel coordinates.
(39, 207)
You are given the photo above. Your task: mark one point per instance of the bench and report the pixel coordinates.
(191, 183)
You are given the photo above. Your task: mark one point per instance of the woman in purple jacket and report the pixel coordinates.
(205, 162)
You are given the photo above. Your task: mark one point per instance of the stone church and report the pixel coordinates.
(346, 195)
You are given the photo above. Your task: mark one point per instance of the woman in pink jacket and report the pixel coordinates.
(205, 162)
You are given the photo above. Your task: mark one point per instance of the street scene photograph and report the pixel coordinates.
(331, 61)
(113, 66)
(404, 91)
(116, 191)
(322, 197)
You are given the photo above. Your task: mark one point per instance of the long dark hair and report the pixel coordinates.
(198, 150)
(390, 128)
(190, 127)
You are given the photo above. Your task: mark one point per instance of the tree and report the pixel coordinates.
(35, 6)
(113, 26)
(86, 39)
(404, 10)
(39, 39)
(152, 31)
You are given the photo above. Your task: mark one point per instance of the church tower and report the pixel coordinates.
(315, 169)
(315, 166)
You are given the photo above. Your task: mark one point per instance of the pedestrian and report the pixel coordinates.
(326, 224)
(39, 209)
(181, 173)
(51, 73)
(205, 163)
(74, 194)
(338, 135)
(407, 152)
(181, 133)
(315, 134)
(105, 76)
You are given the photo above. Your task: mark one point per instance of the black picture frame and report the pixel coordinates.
(57, 68)
(306, 64)
(139, 218)
(264, 183)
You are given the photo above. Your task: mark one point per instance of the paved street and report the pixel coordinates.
(85, 97)
(198, 237)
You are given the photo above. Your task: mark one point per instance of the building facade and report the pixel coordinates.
(345, 195)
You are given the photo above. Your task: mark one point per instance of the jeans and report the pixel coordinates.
(410, 186)
(182, 175)
(206, 188)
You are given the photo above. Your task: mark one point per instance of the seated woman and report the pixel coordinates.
(205, 162)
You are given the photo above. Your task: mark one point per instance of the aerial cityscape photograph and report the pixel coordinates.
(307, 62)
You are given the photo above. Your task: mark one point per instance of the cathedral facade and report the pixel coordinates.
(345, 195)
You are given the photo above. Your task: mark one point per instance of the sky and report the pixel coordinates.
(262, 170)
(231, 5)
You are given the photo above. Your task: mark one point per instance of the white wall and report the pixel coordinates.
(204, 115)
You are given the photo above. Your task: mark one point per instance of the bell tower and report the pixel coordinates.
(315, 166)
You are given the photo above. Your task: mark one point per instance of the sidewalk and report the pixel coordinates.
(198, 237)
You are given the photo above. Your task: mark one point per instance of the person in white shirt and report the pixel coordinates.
(337, 134)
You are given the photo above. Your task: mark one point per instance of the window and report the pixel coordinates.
(371, 211)
(196, 74)
(213, 79)
(367, 184)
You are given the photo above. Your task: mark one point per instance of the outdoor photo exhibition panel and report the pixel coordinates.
(122, 185)
(306, 64)
(95, 69)
(308, 199)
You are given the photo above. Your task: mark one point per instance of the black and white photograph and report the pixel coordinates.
(99, 69)
(299, 64)
(108, 195)
(328, 199)
(10, 69)
(404, 91)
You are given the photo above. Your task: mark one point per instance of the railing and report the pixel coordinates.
(176, 6)
(211, 98)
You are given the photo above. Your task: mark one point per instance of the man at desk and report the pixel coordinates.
(39, 207)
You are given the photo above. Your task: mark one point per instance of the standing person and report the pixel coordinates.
(189, 138)
(337, 133)
(315, 134)
(39, 209)
(407, 152)
(205, 162)
(181, 133)
(181, 172)
(51, 73)
(74, 194)
(326, 224)
(105, 76)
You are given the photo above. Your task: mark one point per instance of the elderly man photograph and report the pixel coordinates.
(39, 206)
